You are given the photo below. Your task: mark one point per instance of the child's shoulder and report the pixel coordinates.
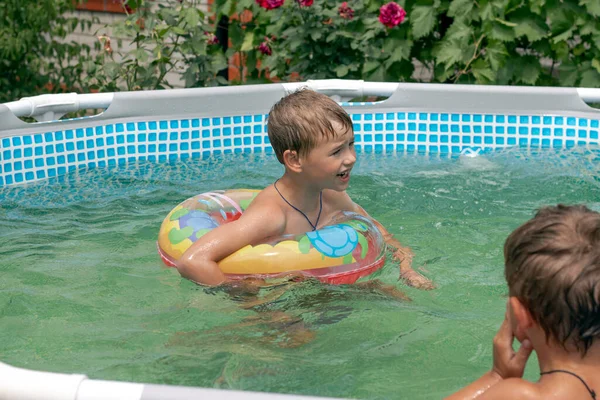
(266, 199)
(515, 388)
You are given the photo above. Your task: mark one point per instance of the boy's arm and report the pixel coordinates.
(403, 254)
(504, 380)
(199, 262)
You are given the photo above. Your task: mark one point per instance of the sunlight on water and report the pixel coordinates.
(83, 289)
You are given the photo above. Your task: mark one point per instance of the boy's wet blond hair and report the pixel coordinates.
(300, 120)
(553, 268)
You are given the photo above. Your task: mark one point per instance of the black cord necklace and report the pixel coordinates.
(314, 227)
(592, 393)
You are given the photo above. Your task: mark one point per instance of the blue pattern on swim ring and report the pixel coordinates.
(334, 241)
(198, 220)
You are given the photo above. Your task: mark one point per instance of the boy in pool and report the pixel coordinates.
(553, 275)
(313, 137)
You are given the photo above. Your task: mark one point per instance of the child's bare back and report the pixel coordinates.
(552, 267)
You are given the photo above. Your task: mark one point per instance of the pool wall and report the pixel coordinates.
(159, 126)
(444, 120)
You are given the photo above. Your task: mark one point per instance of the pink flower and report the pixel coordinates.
(391, 14)
(345, 11)
(265, 47)
(305, 3)
(270, 4)
(211, 38)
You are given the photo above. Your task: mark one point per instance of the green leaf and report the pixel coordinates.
(316, 35)
(179, 31)
(422, 21)
(459, 30)
(141, 55)
(218, 62)
(482, 72)
(562, 51)
(568, 74)
(112, 70)
(236, 34)
(441, 73)
(592, 6)
(502, 32)
(596, 64)
(398, 49)
(377, 75)
(248, 43)
(531, 28)
(460, 8)
(563, 36)
(495, 54)
(226, 8)
(561, 19)
(590, 78)
(192, 17)
(596, 38)
(370, 66)
(536, 6)
(529, 69)
(341, 71)
(487, 11)
(451, 52)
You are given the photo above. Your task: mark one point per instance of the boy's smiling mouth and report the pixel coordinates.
(344, 175)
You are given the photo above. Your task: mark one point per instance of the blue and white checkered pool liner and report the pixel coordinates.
(28, 158)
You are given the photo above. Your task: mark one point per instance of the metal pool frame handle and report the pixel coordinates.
(22, 384)
(50, 107)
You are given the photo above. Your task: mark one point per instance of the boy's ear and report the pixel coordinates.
(292, 161)
(522, 317)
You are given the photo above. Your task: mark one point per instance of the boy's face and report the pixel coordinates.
(329, 164)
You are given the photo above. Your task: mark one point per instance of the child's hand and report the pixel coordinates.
(412, 278)
(507, 363)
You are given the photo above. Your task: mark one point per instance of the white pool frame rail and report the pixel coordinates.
(23, 384)
(51, 107)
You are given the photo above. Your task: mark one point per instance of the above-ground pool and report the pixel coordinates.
(450, 170)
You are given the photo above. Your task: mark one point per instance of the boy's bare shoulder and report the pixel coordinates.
(266, 200)
(267, 209)
(514, 388)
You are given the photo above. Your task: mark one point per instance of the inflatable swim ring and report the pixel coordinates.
(350, 248)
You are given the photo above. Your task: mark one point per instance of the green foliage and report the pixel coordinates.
(161, 37)
(34, 55)
(510, 42)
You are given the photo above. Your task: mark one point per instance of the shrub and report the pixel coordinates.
(34, 56)
(168, 36)
(531, 42)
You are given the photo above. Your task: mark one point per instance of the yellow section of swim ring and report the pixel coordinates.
(285, 256)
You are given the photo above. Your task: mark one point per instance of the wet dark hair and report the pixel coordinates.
(298, 121)
(552, 265)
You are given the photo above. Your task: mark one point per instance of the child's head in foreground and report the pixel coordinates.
(301, 120)
(553, 268)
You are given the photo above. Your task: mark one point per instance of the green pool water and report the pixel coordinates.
(82, 289)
